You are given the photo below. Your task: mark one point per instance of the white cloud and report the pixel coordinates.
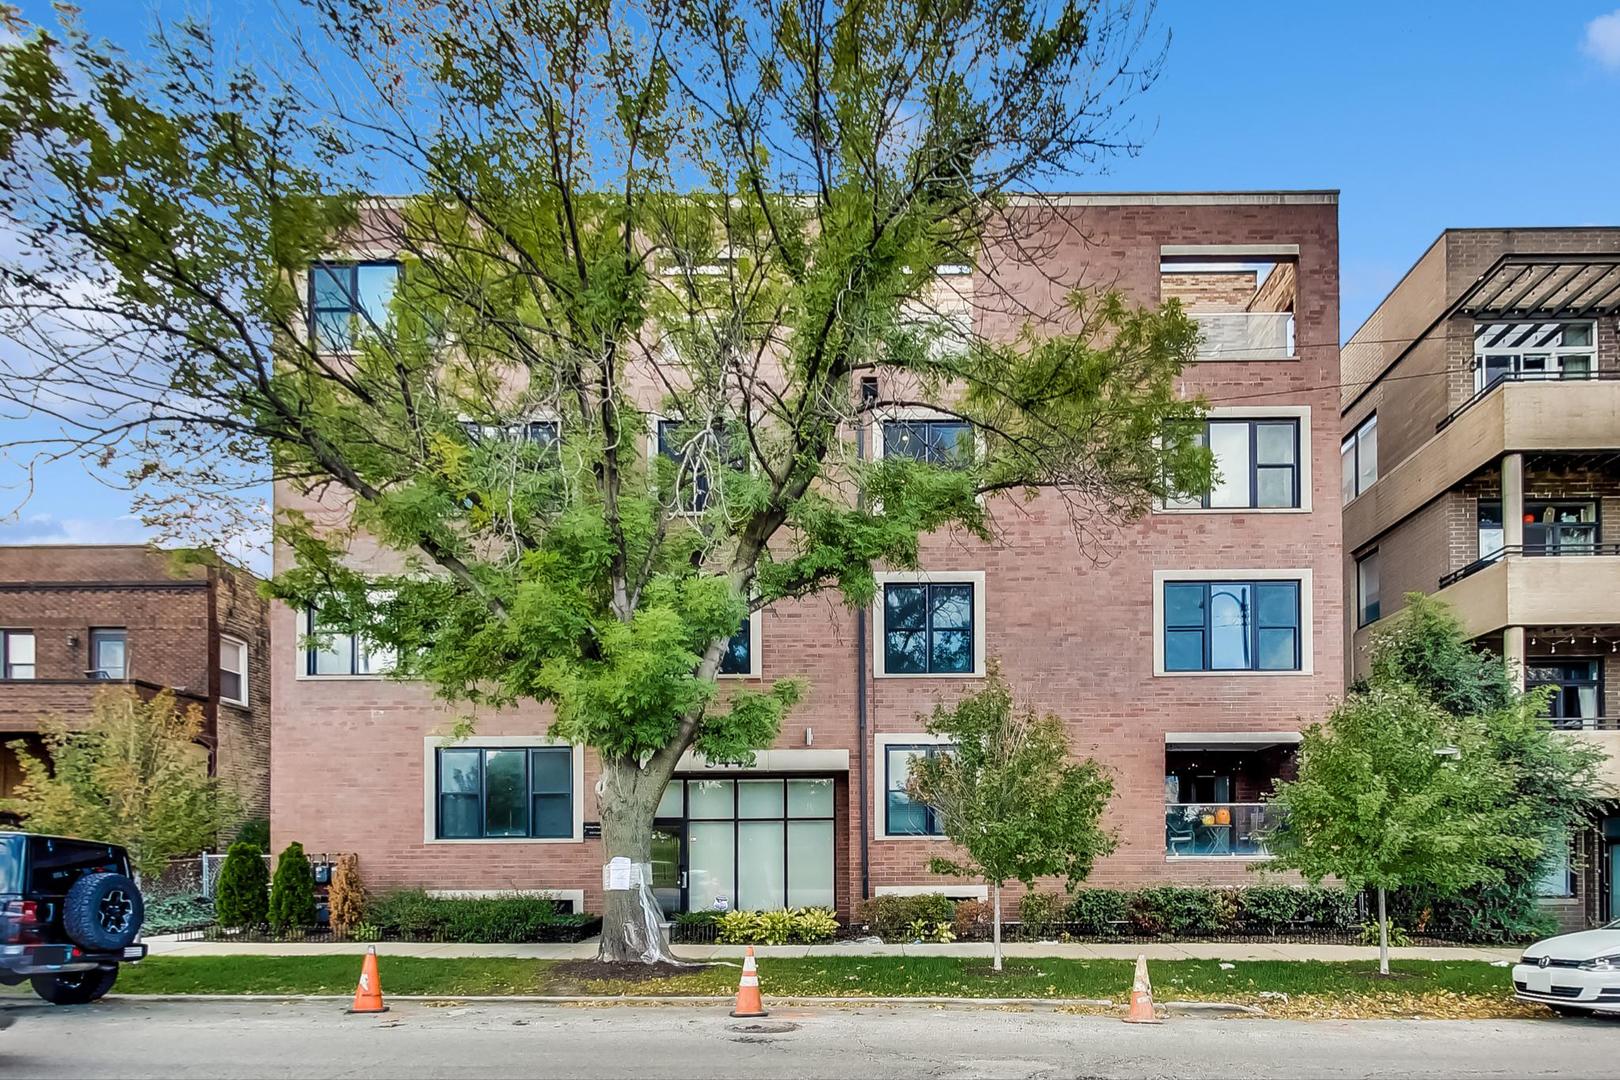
(50, 529)
(1602, 41)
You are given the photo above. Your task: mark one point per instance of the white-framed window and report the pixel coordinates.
(502, 789)
(16, 654)
(330, 653)
(1262, 461)
(741, 660)
(896, 815)
(1358, 459)
(929, 625)
(1533, 351)
(1232, 622)
(932, 436)
(109, 653)
(233, 670)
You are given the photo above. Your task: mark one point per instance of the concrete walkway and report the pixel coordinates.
(586, 950)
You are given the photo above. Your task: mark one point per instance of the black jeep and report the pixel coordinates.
(69, 915)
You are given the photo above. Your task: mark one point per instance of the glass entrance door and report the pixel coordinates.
(668, 877)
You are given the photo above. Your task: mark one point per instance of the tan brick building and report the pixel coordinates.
(1481, 463)
(76, 619)
(1185, 651)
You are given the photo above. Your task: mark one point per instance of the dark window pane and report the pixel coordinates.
(952, 652)
(1278, 604)
(951, 606)
(905, 652)
(1277, 650)
(903, 607)
(906, 818)
(458, 817)
(1184, 650)
(736, 660)
(459, 771)
(544, 432)
(506, 796)
(552, 770)
(553, 816)
(1184, 605)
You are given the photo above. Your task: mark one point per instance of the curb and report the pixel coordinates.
(1211, 1008)
(647, 999)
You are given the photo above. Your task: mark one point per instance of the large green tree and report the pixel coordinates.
(725, 212)
(1008, 794)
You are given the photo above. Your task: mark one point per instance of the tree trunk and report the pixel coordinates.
(632, 924)
(995, 931)
(1383, 935)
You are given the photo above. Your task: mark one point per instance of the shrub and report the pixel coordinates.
(1178, 911)
(972, 919)
(1398, 938)
(803, 926)
(177, 913)
(507, 919)
(242, 895)
(890, 917)
(292, 892)
(1269, 909)
(255, 831)
(1040, 915)
(1098, 912)
(932, 933)
(346, 898)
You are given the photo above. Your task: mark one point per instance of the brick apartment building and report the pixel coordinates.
(77, 619)
(1187, 659)
(1481, 464)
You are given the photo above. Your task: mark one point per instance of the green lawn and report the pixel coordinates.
(833, 976)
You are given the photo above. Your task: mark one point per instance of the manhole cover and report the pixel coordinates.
(765, 1027)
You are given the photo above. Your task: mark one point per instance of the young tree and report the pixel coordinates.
(135, 775)
(1394, 791)
(724, 213)
(292, 890)
(242, 893)
(1554, 776)
(1009, 796)
(346, 899)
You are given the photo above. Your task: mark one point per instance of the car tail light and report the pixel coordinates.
(21, 921)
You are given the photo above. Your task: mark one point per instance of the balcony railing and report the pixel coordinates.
(1220, 829)
(1522, 376)
(1244, 335)
(1585, 723)
(1531, 550)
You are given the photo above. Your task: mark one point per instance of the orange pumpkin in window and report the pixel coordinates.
(1223, 816)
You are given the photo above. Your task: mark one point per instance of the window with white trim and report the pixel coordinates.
(738, 659)
(903, 815)
(505, 792)
(233, 670)
(1248, 625)
(335, 652)
(1358, 459)
(17, 654)
(944, 442)
(1257, 465)
(928, 628)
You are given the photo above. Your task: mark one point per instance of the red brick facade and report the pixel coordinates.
(172, 614)
(1072, 625)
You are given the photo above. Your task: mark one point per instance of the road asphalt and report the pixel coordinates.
(136, 1038)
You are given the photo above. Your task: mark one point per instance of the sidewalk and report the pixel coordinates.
(586, 950)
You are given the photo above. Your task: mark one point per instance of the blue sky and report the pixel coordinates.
(1424, 114)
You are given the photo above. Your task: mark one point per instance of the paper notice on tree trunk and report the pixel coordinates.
(616, 874)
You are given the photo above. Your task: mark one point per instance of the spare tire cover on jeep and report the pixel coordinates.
(103, 911)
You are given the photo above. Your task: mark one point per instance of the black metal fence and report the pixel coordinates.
(559, 933)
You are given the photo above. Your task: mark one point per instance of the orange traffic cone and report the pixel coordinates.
(1141, 997)
(368, 995)
(748, 1000)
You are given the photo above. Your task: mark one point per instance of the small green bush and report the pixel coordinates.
(891, 917)
(1178, 911)
(1098, 912)
(242, 894)
(177, 913)
(292, 891)
(930, 933)
(507, 919)
(801, 926)
(1040, 915)
(255, 831)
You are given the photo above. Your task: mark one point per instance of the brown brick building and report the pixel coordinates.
(76, 619)
(1185, 652)
(1481, 463)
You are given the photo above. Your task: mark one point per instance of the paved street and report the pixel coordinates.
(128, 1037)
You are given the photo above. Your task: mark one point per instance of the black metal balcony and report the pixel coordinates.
(1532, 551)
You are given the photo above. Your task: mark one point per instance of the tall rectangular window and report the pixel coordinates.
(947, 443)
(348, 300)
(903, 815)
(1367, 602)
(108, 648)
(692, 472)
(928, 629)
(489, 793)
(337, 652)
(17, 654)
(738, 659)
(233, 667)
(1232, 626)
(1256, 465)
(1358, 459)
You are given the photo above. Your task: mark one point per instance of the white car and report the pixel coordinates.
(1572, 974)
